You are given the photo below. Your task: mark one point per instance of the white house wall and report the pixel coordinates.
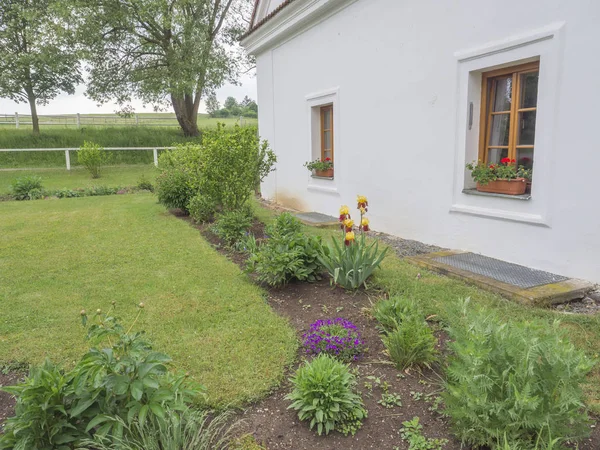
(402, 88)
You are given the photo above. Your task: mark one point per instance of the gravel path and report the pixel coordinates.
(405, 247)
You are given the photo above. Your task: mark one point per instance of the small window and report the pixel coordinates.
(508, 112)
(327, 132)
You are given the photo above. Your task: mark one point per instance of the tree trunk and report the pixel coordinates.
(34, 116)
(186, 113)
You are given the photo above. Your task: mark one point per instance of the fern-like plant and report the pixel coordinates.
(412, 343)
(324, 395)
(518, 382)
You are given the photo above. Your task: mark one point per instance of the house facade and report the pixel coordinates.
(402, 94)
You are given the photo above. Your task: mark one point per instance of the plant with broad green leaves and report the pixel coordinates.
(351, 264)
(519, 381)
(187, 429)
(412, 433)
(324, 395)
(287, 254)
(109, 387)
(93, 156)
(232, 226)
(26, 188)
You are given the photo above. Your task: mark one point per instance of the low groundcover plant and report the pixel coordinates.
(336, 337)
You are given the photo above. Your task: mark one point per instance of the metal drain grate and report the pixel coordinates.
(503, 271)
(316, 218)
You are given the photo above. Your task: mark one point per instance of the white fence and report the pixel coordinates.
(68, 150)
(78, 120)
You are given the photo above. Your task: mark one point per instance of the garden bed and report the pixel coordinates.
(276, 427)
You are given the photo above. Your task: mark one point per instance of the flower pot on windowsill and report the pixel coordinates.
(324, 173)
(508, 187)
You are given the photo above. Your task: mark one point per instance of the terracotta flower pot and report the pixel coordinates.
(324, 173)
(509, 187)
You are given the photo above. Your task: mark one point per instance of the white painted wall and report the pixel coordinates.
(403, 73)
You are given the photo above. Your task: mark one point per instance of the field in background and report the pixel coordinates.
(61, 137)
(52, 179)
(8, 121)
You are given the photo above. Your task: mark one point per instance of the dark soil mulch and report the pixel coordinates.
(7, 401)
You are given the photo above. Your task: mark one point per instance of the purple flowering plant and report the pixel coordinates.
(336, 337)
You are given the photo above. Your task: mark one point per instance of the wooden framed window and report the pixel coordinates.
(508, 112)
(327, 132)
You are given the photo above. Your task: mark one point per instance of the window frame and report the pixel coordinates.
(487, 105)
(322, 110)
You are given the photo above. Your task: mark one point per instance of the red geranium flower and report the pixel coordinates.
(327, 159)
(505, 160)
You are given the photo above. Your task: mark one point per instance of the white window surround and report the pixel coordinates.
(313, 103)
(545, 45)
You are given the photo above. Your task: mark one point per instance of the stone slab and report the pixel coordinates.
(316, 219)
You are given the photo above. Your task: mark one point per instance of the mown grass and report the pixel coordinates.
(112, 176)
(436, 293)
(58, 257)
(146, 136)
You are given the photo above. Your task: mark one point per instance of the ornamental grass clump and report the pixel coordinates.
(350, 264)
(336, 337)
(324, 395)
(517, 382)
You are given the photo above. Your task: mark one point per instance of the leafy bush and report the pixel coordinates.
(234, 164)
(324, 395)
(201, 208)
(338, 337)
(107, 388)
(173, 189)
(232, 226)
(93, 156)
(390, 312)
(411, 343)
(36, 194)
(519, 380)
(178, 181)
(247, 244)
(287, 254)
(188, 429)
(144, 184)
(350, 266)
(23, 186)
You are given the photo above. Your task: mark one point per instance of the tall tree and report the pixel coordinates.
(163, 51)
(37, 56)
(212, 104)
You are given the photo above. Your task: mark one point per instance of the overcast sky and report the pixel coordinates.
(79, 103)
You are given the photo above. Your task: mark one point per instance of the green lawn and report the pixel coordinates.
(80, 178)
(57, 257)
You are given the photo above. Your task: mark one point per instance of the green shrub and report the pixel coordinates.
(188, 429)
(144, 184)
(22, 186)
(324, 395)
(412, 343)
(201, 208)
(247, 244)
(234, 164)
(67, 193)
(36, 194)
(93, 156)
(517, 380)
(287, 254)
(351, 265)
(390, 312)
(107, 388)
(173, 190)
(232, 226)
(178, 181)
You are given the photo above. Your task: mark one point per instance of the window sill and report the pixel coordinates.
(490, 194)
(321, 178)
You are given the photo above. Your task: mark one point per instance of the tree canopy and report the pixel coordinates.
(162, 51)
(38, 59)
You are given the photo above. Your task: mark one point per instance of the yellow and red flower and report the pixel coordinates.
(362, 202)
(349, 238)
(348, 224)
(364, 224)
